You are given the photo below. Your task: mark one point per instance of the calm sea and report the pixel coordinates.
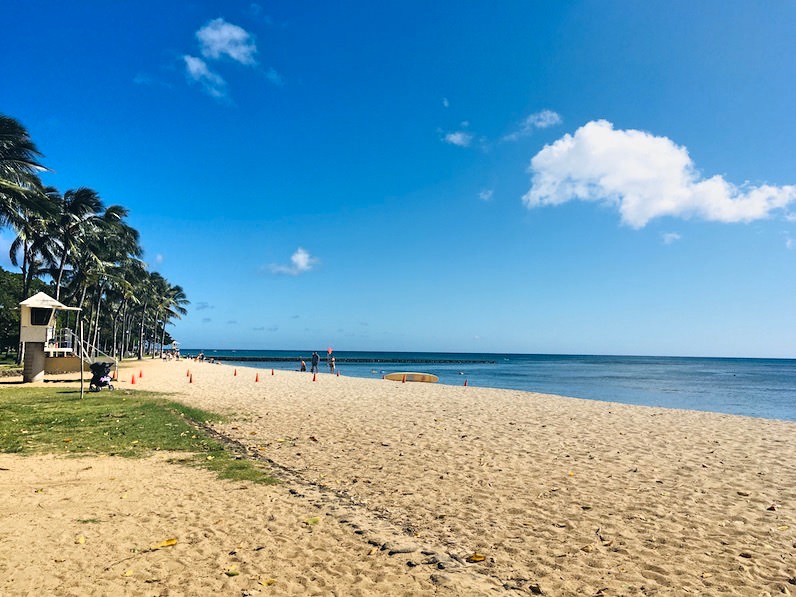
(752, 387)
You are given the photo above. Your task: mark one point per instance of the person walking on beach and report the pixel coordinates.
(315, 360)
(331, 364)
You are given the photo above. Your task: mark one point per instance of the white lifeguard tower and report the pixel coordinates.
(37, 333)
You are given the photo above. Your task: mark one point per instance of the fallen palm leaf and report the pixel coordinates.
(167, 543)
(476, 557)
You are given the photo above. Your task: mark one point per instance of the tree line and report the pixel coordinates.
(81, 251)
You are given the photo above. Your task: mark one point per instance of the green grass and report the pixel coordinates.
(119, 423)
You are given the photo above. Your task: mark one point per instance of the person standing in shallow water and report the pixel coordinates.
(331, 364)
(315, 360)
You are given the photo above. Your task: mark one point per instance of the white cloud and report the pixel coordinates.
(486, 195)
(645, 176)
(219, 38)
(159, 258)
(198, 71)
(445, 102)
(300, 262)
(670, 237)
(537, 120)
(459, 138)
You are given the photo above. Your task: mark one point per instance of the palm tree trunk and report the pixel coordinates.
(141, 333)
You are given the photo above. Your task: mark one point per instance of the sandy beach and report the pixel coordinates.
(393, 488)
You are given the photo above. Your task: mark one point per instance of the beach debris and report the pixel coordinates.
(744, 493)
(783, 527)
(171, 542)
(128, 572)
(773, 508)
(312, 520)
(80, 540)
(476, 557)
(440, 579)
(313, 438)
(395, 548)
(267, 582)
(745, 554)
(232, 570)
(588, 548)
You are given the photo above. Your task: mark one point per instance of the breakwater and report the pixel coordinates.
(413, 361)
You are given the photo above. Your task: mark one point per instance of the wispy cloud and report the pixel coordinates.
(670, 237)
(445, 103)
(645, 177)
(272, 75)
(486, 195)
(459, 138)
(202, 305)
(220, 41)
(537, 120)
(300, 262)
(219, 38)
(197, 71)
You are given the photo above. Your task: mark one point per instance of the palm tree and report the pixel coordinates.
(31, 249)
(171, 306)
(20, 188)
(77, 213)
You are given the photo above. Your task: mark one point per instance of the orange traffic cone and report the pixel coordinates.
(465, 383)
(140, 374)
(190, 379)
(272, 371)
(403, 379)
(313, 377)
(257, 377)
(188, 373)
(235, 373)
(132, 381)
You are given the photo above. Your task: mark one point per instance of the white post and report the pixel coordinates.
(82, 358)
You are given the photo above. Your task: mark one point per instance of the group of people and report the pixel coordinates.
(315, 361)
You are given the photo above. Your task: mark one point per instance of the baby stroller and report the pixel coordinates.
(101, 376)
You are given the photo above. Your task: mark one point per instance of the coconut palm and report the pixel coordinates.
(20, 188)
(171, 306)
(77, 213)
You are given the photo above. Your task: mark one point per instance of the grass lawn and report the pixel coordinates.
(119, 423)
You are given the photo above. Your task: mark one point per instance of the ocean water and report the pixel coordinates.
(751, 387)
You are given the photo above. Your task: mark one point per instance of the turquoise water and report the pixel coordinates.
(752, 387)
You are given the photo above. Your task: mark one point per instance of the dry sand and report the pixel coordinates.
(560, 496)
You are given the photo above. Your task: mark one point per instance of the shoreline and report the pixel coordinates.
(565, 495)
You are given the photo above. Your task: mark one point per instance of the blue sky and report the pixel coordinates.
(538, 177)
